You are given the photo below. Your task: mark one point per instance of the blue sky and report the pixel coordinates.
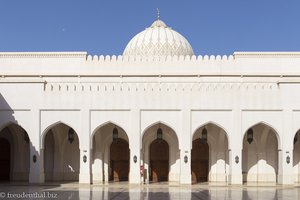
(105, 27)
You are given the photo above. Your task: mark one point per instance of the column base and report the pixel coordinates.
(286, 179)
(84, 178)
(186, 179)
(235, 179)
(134, 178)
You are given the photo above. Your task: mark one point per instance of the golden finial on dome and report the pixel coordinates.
(158, 14)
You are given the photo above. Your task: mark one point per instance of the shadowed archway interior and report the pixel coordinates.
(119, 160)
(14, 153)
(209, 154)
(4, 160)
(159, 160)
(61, 154)
(200, 161)
(260, 155)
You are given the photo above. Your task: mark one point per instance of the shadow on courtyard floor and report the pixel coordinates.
(146, 192)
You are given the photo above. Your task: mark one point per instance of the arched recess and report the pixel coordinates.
(160, 156)
(209, 157)
(296, 156)
(260, 154)
(14, 153)
(159, 161)
(110, 153)
(61, 153)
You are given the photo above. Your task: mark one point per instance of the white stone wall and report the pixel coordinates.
(233, 94)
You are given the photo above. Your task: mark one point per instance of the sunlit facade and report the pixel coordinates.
(158, 113)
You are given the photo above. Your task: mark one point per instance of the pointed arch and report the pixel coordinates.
(103, 125)
(44, 133)
(9, 123)
(13, 123)
(297, 133)
(214, 124)
(268, 125)
(210, 158)
(6, 124)
(260, 158)
(106, 123)
(61, 155)
(170, 138)
(157, 123)
(110, 156)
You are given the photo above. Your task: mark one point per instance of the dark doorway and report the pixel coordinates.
(4, 159)
(159, 160)
(199, 165)
(119, 160)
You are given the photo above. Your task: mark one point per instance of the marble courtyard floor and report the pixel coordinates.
(118, 191)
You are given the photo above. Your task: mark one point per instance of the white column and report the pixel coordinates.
(185, 149)
(235, 176)
(84, 141)
(84, 175)
(36, 174)
(285, 170)
(185, 167)
(235, 150)
(134, 146)
(134, 172)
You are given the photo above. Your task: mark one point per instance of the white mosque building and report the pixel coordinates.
(156, 113)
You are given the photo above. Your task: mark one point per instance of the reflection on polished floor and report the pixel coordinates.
(118, 191)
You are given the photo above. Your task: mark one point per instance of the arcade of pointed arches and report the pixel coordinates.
(160, 154)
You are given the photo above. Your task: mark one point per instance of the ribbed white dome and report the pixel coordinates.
(158, 40)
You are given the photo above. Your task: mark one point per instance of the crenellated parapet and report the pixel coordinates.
(113, 58)
(187, 58)
(42, 55)
(80, 64)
